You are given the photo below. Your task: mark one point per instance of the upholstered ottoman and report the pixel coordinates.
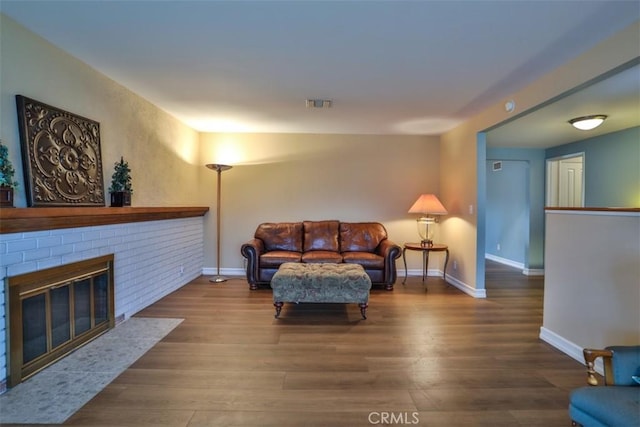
(321, 283)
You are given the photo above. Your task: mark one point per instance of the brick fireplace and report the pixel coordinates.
(155, 251)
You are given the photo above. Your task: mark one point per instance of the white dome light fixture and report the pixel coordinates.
(588, 122)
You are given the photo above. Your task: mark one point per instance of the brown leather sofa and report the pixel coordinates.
(363, 243)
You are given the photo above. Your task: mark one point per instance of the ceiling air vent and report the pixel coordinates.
(318, 103)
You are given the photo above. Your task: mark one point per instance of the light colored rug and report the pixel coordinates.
(58, 391)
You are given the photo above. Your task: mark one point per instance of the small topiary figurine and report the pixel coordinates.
(7, 183)
(121, 188)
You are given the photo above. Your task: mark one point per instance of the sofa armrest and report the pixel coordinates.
(252, 251)
(621, 364)
(590, 356)
(389, 250)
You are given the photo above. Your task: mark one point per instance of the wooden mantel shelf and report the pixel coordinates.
(18, 220)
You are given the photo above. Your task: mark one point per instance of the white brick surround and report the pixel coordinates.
(152, 259)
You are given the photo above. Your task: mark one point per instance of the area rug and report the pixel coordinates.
(57, 392)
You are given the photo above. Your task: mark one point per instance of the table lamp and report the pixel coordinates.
(427, 205)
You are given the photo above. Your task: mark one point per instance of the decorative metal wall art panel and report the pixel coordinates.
(60, 155)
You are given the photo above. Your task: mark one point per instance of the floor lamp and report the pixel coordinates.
(218, 168)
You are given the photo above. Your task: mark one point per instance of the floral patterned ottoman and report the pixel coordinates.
(323, 282)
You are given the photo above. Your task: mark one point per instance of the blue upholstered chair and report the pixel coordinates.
(617, 402)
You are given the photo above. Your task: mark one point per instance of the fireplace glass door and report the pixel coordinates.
(50, 319)
(34, 327)
(60, 315)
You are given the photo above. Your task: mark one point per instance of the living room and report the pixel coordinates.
(282, 176)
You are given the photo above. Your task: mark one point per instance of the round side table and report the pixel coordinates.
(436, 247)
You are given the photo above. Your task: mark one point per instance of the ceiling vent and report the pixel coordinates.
(318, 103)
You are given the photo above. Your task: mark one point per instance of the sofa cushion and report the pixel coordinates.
(366, 259)
(281, 236)
(275, 258)
(607, 405)
(321, 236)
(321, 256)
(361, 236)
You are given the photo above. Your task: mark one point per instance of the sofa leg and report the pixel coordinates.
(363, 310)
(253, 287)
(389, 287)
(278, 305)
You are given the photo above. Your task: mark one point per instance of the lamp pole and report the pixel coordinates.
(219, 169)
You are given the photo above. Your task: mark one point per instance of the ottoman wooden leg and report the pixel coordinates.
(278, 305)
(363, 309)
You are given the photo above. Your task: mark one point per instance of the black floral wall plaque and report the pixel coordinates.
(60, 155)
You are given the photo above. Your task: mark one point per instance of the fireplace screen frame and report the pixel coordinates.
(43, 283)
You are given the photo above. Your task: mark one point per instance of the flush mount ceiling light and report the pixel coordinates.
(318, 103)
(588, 122)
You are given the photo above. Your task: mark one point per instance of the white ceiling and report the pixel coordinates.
(617, 96)
(390, 67)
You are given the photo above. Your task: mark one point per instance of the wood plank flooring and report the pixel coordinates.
(435, 358)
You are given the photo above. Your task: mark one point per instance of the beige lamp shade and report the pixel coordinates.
(428, 204)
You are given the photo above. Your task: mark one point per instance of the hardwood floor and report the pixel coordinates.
(436, 358)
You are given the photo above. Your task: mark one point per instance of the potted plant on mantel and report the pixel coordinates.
(7, 184)
(120, 188)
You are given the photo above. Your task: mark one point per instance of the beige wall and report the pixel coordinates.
(592, 280)
(162, 152)
(458, 153)
(295, 177)
(284, 177)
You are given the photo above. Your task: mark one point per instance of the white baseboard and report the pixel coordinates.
(515, 264)
(569, 348)
(476, 293)
(533, 272)
(504, 261)
(212, 271)
(417, 272)
(238, 271)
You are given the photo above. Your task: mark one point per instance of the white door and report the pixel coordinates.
(565, 181)
(570, 183)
